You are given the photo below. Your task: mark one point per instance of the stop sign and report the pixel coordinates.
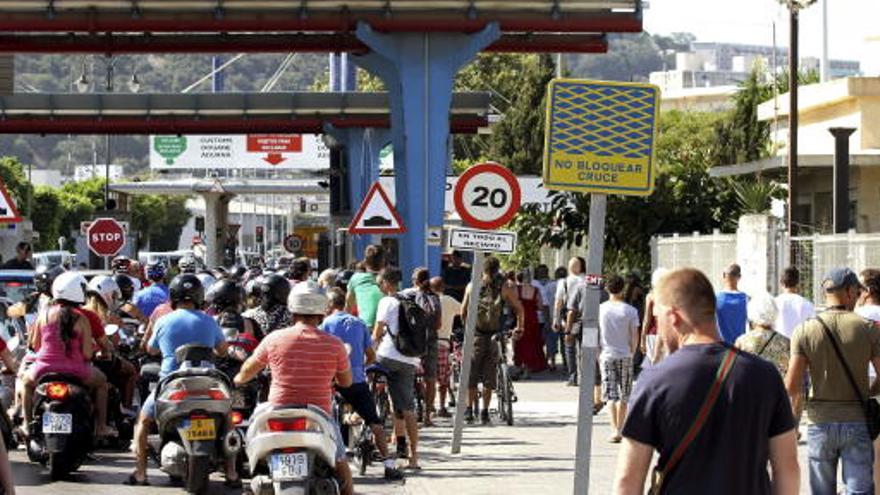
(106, 237)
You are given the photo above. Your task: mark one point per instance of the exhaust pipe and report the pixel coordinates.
(232, 443)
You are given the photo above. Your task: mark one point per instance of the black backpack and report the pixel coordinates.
(411, 339)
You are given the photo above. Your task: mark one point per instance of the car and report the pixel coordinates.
(53, 258)
(15, 285)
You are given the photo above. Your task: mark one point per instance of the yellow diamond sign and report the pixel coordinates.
(600, 137)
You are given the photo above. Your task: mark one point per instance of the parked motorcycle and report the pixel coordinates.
(62, 431)
(292, 450)
(193, 413)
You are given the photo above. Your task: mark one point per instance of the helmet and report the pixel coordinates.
(274, 289)
(239, 272)
(207, 280)
(306, 299)
(224, 294)
(44, 276)
(156, 271)
(186, 288)
(70, 287)
(107, 289)
(342, 278)
(120, 264)
(125, 284)
(187, 264)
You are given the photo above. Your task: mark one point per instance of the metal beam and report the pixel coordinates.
(263, 43)
(169, 124)
(291, 20)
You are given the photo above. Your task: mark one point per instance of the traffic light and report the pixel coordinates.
(259, 233)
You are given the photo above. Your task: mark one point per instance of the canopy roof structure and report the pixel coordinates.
(215, 113)
(306, 25)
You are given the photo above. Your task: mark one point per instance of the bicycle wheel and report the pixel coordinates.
(508, 400)
(501, 392)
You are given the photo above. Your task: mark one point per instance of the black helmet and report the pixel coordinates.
(342, 279)
(238, 272)
(44, 276)
(274, 289)
(224, 294)
(186, 288)
(126, 286)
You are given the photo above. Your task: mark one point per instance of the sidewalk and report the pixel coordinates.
(534, 456)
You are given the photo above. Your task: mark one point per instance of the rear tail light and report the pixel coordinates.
(236, 417)
(212, 394)
(288, 424)
(57, 390)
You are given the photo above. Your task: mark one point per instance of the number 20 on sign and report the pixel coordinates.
(600, 137)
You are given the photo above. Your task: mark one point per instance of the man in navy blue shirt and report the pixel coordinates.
(730, 306)
(353, 332)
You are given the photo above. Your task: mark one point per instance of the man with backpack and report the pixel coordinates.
(399, 354)
(496, 291)
(425, 298)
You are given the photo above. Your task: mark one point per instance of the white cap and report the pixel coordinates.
(762, 310)
(306, 299)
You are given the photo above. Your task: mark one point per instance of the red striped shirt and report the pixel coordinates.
(303, 361)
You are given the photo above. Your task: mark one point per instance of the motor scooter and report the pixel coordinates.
(61, 434)
(292, 451)
(193, 415)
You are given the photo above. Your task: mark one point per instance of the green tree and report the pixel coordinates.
(13, 175)
(47, 217)
(159, 220)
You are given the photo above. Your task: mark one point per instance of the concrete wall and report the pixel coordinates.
(756, 253)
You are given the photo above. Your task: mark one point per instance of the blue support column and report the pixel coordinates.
(362, 149)
(419, 70)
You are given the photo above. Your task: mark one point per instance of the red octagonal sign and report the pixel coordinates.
(106, 237)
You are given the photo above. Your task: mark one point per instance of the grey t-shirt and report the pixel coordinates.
(618, 324)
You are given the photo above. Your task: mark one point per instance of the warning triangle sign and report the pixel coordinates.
(377, 215)
(8, 211)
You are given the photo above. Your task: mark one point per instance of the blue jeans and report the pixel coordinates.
(848, 442)
(551, 340)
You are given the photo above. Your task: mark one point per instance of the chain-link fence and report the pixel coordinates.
(815, 255)
(708, 253)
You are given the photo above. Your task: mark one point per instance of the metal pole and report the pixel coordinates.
(589, 344)
(467, 353)
(825, 64)
(841, 178)
(792, 122)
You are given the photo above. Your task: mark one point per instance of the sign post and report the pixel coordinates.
(599, 140)
(487, 196)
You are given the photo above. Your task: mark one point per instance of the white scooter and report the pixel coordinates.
(292, 451)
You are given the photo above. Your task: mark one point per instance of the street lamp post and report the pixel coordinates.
(794, 8)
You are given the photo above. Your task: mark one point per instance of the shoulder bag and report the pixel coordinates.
(659, 475)
(870, 406)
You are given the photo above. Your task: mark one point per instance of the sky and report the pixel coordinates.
(850, 23)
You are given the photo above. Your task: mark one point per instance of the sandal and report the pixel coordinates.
(133, 481)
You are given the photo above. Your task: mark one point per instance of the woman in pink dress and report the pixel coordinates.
(528, 350)
(62, 339)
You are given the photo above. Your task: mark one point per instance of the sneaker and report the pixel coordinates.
(484, 418)
(469, 416)
(393, 474)
(572, 382)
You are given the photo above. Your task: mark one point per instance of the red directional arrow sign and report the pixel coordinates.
(106, 237)
(274, 145)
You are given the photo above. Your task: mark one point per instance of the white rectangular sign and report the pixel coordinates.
(252, 151)
(482, 240)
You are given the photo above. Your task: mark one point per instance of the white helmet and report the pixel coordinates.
(69, 286)
(107, 289)
(207, 280)
(306, 299)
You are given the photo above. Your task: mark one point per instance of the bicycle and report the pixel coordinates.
(504, 392)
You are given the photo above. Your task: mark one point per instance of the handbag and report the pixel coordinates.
(870, 406)
(659, 475)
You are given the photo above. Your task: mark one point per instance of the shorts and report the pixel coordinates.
(429, 360)
(443, 368)
(148, 408)
(401, 384)
(616, 378)
(484, 366)
(359, 397)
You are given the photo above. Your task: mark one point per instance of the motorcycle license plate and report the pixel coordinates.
(286, 467)
(200, 429)
(238, 400)
(57, 423)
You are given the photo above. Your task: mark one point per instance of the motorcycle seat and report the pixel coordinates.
(378, 369)
(194, 353)
(60, 377)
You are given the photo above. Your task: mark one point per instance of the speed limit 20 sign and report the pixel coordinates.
(487, 196)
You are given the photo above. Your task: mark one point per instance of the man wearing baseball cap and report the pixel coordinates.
(837, 428)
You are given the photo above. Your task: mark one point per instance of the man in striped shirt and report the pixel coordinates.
(304, 362)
